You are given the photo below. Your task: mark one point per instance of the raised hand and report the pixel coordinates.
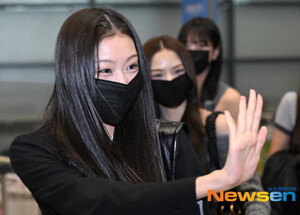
(245, 141)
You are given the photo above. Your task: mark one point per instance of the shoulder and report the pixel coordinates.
(289, 99)
(228, 94)
(287, 104)
(40, 137)
(39, 140)
(285, 117)
(229, 101)
(231, 95)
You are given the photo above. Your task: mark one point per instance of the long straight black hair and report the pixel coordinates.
(191, 114)
(71, 116)
(206, 29)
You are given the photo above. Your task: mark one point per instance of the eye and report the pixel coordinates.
(179, 71)
(103, 72)
(156, 76)
(133, 67)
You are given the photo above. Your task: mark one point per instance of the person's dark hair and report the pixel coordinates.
(134, 154)
(207, 30)
(191, 115)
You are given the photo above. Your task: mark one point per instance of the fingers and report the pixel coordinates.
(261, 138)
(253, 113)
(251, 109)
(257, 114)
(241, 123)
(231, 125)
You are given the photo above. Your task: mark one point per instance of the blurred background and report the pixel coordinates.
(260, 39)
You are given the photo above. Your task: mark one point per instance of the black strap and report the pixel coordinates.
(210, 128)
(168, 134)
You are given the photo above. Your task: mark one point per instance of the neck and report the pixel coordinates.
(201, 79)
(109, 130)
(174, 113)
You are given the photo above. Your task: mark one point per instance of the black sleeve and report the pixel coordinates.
(188, 165)
(59, 189)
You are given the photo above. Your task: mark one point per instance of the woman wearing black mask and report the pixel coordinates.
(202, 38)
(175, 90)
(175, 93)
(92, 156)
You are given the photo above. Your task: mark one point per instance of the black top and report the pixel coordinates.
(61, 189)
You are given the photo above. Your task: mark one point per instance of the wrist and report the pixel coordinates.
(217, 180)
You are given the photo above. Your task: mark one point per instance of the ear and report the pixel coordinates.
(216, 53)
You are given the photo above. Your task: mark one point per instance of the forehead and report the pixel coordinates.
(166, 56)
(116, 45)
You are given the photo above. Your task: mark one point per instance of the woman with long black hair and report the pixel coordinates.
(177, 99)
(202, 37)
(99, 150)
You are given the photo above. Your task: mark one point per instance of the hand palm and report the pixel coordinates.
(245, 140)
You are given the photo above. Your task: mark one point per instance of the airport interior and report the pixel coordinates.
(261, 51)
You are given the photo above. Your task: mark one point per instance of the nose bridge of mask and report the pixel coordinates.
(171, 93)
(107, 101)
(116, 98)
(199, 55)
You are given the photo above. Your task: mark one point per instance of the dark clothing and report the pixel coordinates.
(61, 189)
(282, 169)
(211, 104)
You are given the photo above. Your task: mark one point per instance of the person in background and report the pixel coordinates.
(282, 168)
(202, 38)
(176, 95)
(285, 122)
(175, 90)
(98, 151)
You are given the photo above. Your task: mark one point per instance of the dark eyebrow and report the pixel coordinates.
(111, 61)
(156, 70)
(104, 60)
(131, 56)
(179, 65)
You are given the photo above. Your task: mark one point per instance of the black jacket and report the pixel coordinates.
(61, 189)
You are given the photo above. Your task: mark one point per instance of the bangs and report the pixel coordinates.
(200, 34)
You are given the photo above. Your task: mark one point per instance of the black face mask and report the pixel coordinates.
(172, 93)
(117, 98)
(200, 59)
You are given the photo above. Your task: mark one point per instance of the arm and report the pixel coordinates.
(229, 101)
(285, 120)
(245, 144)
(280, 141)
(253, 184)
(60, 189)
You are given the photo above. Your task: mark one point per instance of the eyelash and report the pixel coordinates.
(133, 65)
(179, 71)
(104, 71)
(156, 76)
